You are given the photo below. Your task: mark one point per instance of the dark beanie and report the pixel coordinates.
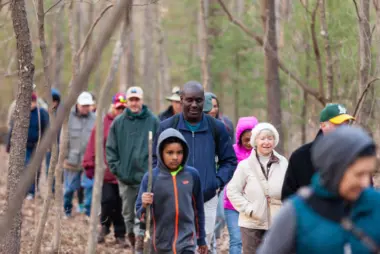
(334, 152)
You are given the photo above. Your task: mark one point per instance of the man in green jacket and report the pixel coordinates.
(127, 152)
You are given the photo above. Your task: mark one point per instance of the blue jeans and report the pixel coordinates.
(28, 156)
(232, 218)
(72, 181)
(219, 223)
(87, 184)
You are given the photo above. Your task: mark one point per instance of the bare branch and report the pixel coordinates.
(92, 29)
(316, 49)
(99, 159)
(260, 41)
(357, 10)
(362, 96)
(204, 45)
(17, 198)
(54, 5)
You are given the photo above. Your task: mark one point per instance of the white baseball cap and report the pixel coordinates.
(85, 98)
(135, 92)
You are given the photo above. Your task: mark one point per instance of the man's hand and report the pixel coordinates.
(202, 249)
(147, 199)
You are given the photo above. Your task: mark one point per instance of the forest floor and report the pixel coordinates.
(74, 231)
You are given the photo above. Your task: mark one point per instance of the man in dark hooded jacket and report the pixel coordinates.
(300, 169)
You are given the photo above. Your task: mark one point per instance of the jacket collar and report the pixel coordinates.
(143, 114)
(204, 126)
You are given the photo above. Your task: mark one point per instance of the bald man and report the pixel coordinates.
(211, 151)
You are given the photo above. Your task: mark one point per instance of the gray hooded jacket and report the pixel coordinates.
(177, 210)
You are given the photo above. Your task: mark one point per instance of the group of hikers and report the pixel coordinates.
(207, 175)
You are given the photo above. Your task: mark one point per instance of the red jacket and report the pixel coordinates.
(89, 156)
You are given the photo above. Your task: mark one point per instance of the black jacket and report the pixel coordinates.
(169, 112)
(300, 170)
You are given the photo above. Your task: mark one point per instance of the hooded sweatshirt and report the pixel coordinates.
(242, 153)
(177, 209)
(312, 222)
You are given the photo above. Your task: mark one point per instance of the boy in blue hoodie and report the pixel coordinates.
(176, 199)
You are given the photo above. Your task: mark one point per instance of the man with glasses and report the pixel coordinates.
(300, 168)
(175, 106)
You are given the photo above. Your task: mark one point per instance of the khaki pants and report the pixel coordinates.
(128, 194)
(210, 208)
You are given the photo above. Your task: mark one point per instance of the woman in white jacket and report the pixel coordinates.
(255, 189)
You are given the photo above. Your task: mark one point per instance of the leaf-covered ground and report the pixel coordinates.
(74, 231)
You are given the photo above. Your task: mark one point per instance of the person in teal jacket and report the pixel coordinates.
(317, 219)
(127, 154)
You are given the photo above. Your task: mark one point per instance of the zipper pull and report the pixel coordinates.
(193, 133)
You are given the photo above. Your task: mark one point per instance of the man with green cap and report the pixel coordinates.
(300, 169)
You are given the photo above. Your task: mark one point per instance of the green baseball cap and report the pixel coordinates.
(335, 113)
(207, 105)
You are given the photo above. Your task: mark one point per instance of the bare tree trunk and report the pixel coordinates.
(14, 205)
(75, 63)
(329, 62)
(123, 71)
(163, 73)
(239, 8)
(131, 56)
(58, 58)
(148, 77)
(203, 40)
(20, 126)
(54, 158)
(272, 79)
(365, 59)
(58, 197)
(100, 165)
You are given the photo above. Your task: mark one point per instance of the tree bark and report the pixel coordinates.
(147, 52)
(272, 79)
(204, 46)
(78, 85)
(329, 61)
(131, 56)
(58, 58)
(20, 127)
(100, 165)
(58, 195)
(163, 73)
(365, 59)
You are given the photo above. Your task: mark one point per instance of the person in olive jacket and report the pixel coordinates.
(127, 153)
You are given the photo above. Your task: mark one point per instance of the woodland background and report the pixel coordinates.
(279, 60)
(318, 41)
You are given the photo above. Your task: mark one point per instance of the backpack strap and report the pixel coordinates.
(174, 123)
(215, 133)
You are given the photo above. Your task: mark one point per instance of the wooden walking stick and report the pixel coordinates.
(149, 189)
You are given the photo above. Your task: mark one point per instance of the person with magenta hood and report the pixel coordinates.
(242, 149)
(339, 211)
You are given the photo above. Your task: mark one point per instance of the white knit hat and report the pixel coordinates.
(264, 126)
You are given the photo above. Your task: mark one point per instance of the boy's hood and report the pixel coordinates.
(168, 133)
(245, 123)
